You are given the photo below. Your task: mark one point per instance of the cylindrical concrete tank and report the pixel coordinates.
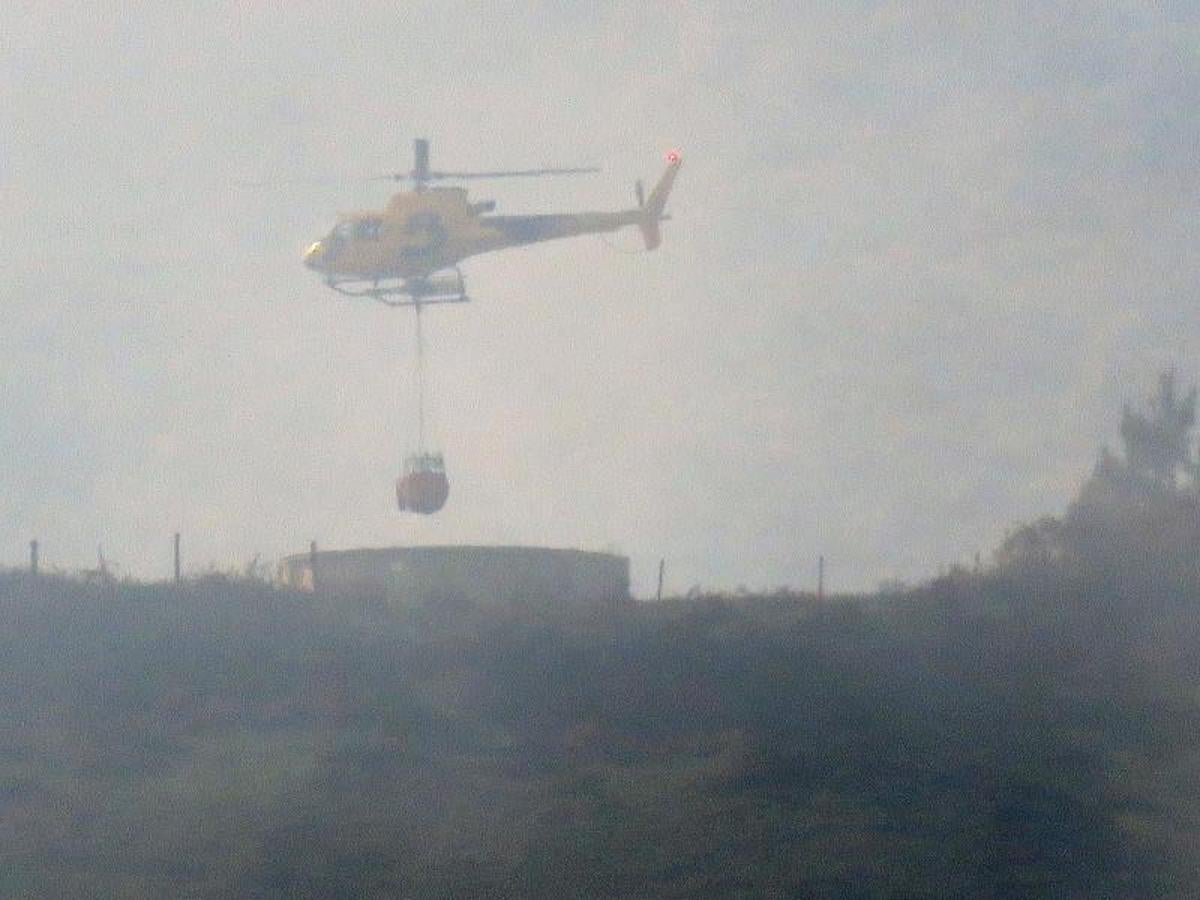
(479, 575)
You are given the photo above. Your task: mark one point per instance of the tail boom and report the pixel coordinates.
(513, 231)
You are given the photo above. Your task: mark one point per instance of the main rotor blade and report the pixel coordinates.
(395, 176)
(412, 176)
(515, 173)
(293, 182)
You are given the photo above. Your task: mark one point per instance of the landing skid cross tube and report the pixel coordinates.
(447, 287)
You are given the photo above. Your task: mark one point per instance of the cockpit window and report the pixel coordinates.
(368, 229)
(358, 230)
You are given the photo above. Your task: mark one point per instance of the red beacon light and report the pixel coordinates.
(673, 156)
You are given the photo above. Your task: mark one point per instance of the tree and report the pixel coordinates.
(1157, 442)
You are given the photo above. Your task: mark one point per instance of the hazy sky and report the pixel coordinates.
(920, 255)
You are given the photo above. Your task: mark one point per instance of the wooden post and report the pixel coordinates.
(662, 565)
(178, 566)
(821, 578)
(33, 557)
(312, 564)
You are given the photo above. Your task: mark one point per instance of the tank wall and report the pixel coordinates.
(480, 575)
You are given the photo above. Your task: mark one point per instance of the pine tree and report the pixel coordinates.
(1158, 441)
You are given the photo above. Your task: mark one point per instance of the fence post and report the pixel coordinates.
(33, 557)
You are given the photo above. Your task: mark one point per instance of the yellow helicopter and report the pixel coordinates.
(408, 253)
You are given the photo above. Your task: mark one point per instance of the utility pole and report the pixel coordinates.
(178, 567)
(312, 565)
(33, 557)
(662, 565)
(821, 578)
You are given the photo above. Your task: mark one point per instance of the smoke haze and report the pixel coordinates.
(917, 252)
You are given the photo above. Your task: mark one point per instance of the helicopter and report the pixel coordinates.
(407, 254)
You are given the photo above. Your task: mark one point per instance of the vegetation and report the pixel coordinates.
(1026, 730)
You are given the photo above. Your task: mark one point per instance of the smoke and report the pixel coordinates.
(994, 210)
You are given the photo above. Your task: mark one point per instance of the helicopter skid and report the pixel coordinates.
(444, 288)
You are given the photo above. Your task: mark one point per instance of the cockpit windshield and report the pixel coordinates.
(366, 229)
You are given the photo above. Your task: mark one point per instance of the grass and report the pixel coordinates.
(978, 736)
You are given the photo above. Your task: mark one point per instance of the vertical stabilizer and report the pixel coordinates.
(653, 208)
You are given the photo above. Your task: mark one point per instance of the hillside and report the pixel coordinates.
(1012, 733)
(1025, 730)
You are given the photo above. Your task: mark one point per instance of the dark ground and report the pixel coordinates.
(1028, 731)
